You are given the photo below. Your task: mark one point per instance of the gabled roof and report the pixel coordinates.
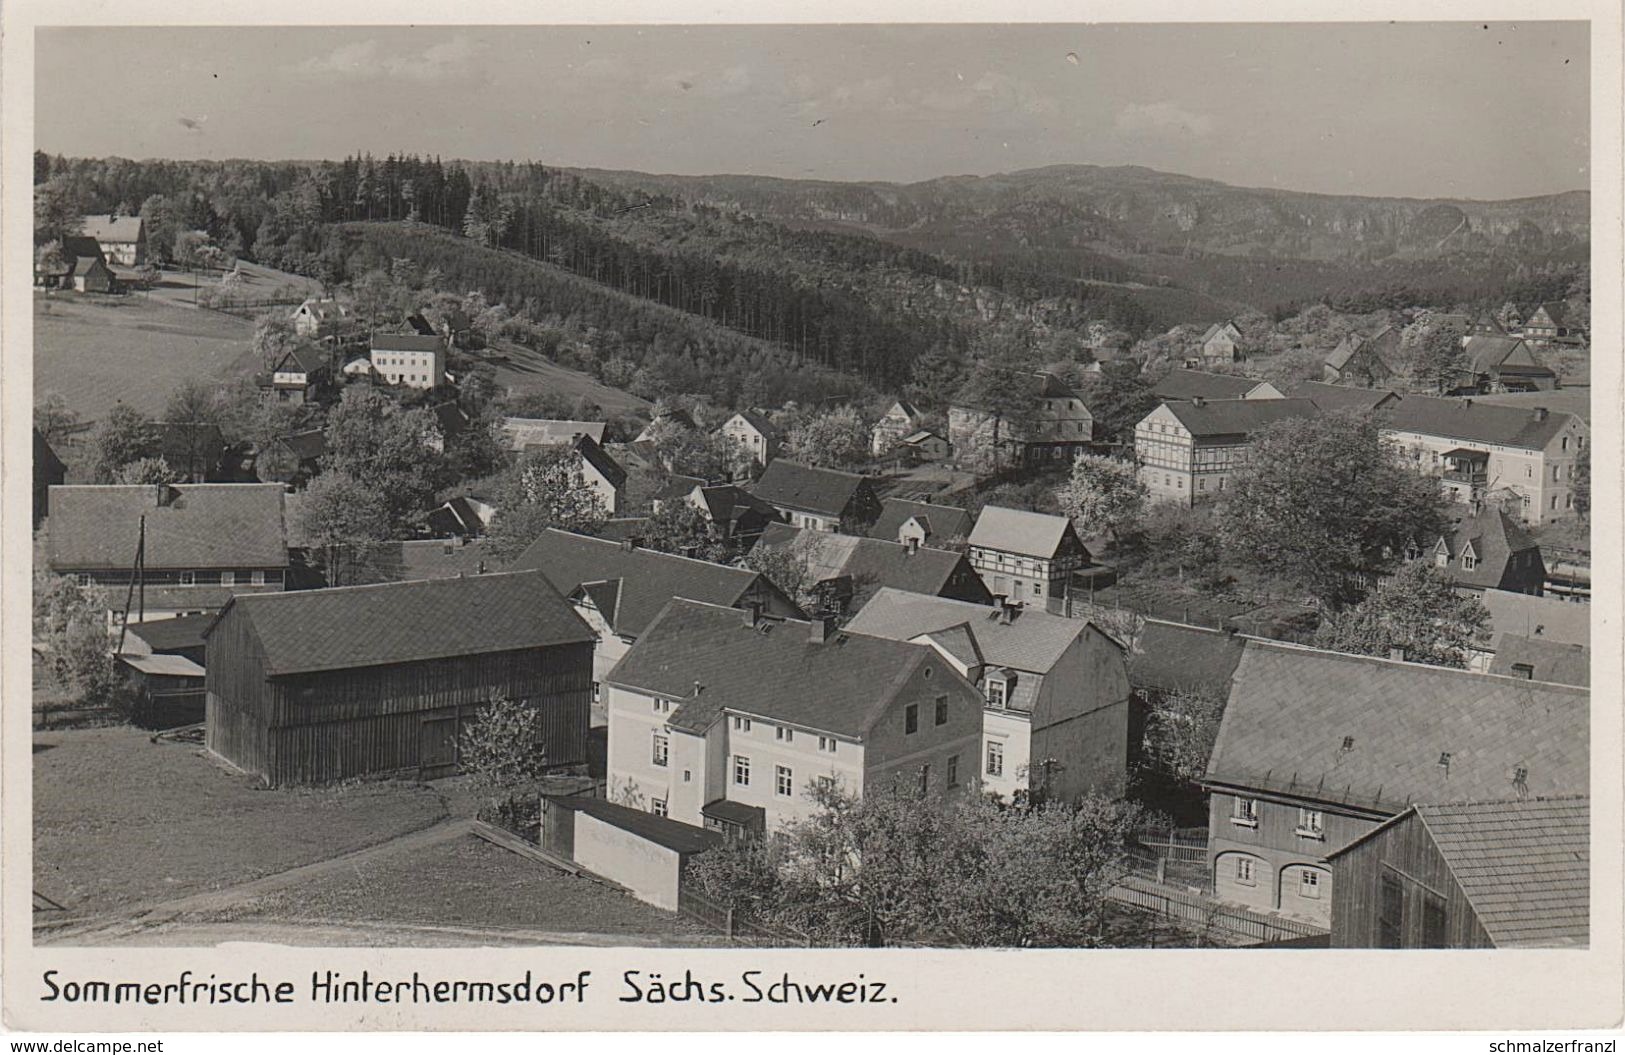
(1546, 660)
(1384, 342)
(755, 420)
(773, 670)
(796, 486)
(420, 325)
(947, 522)
(909, 410)
(1237, 417)
(305, 631)
(1524, 865)
(1032, 640)
(1184, 384)
(650, 578)
(1530, 428)
(105, 227)
(1494, 537)
(1218, 328)
(197, 526)
(307, 446)
(1556, 310)
(81, 247)
(302, 357)
(728, 503)
(1545, 618)
(1291, 709)
(47, 466)
(599, 459)
(1335, 398)
(1022, 531)
(545, 432)
(874, 564)
(1173, 657)
(957, 641)
(406, 342)
(173, 635)
(1488, 324)
(1486, 355)
(321, 309)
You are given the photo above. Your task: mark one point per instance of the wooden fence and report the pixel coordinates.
(1197, 911)
(734, 925)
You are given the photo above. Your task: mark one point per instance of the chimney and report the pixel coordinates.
(752, 612)
(163, 495)
(629, 544)
(999, 599)
(1396, 652)
(1197, 401)
(1007, 613)
(820, 628)
(1541, 413)
(1466, 402)
(698, 688)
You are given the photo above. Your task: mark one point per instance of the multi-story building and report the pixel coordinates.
(319, 317)
(1549, 324)
(755, 434)
(1025, 557)
(122, 238)
(295, 376)
(1479, 448)
(1503, 364)
(1360, 360)
(724, 719)
(1189, 449)
(1219, 344)
(1057, 426)
(1484, 550)
(927, 523)
(821, 499)
(1055, 689)
(409, 359)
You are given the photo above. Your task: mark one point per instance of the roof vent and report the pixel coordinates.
(1348, 744)
(1444, 759)
(1541, 413)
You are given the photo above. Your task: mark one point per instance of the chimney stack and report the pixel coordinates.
(752, 613)
(1007, 612)
(1197, 401)
(629, 544)
(1541, 413)
(820, 628)
(911, 545)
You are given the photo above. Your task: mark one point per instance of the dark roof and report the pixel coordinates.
(303, 631)
(1183, 384)
(1173, 657)
(673, 835)
(652, 578)
(1237, 417)
(1291, 708)
(173, 635)
(619, 529)
(599, 459)
(946, 522)
(1344, 397)
(531, 432)
(1547, 618)
(420, 325)
(1487, 355)
(307, 446)
(873, 564)
(79, 246)
(1031, 640)
(1556, 310)
(797, 486)
(414, 560)
(740, 813)
(839, 686)
(47, 466)
(1551, 661)
(201, 526)
(728, 503)
(757, 421)
(451, 418)
(1495, 537)
(1023, 531)
(1531, 428)
(180, 443)
(678, 486)
(406, 342)
(307, 359)
(1524, 865)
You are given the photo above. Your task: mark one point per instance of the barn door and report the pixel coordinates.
(437, 746)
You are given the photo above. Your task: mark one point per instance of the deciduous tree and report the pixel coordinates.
(1103, 495)
(836, 439)
(124, 435)
(386, 448)
(545, 490)
(343, 519)
(1418, 611)
(502, 752)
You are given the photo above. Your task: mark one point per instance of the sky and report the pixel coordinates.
(1468, 110)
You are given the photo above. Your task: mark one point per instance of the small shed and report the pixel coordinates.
(168, 689)
(641, 851)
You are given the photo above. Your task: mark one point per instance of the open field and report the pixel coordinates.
(528, 371)
(259, 282)
(120, 821)
(99, 351)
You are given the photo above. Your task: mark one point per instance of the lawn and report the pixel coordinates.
(120, 821)
(529, 371)
(98, 351)
(469, 883)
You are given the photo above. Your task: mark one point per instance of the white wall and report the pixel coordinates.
(1014, 732)
(648, 869)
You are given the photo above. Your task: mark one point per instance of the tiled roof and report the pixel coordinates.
(624, 529)
(673, 835)
(678, 486)
(1183, 384)
(1291, 709)
(406, 342)
(1173, 657)
(173, 635)
(1530, 428)
(874, 564)
(947, 522)
(1495, 537)
(773, 670)
(595, 455)
(108, 228)
(1020, 531)
(415, 560)
(203, 526)
(1546, 618)
(529, 432)
(405, 622)
(1344, 397)
(1547, 660)
(651, 578)
(1032, 640)
(1237, 417)
(797, 486)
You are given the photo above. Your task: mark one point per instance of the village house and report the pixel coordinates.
(294, 458)
(1188, 450)
(195, 451)
(1549, 325)
(1316, 749)
(754, 433)
(463, 516)
(1514, 873)
(1486, 325)
(522, 433)
(90, 274)
(318, 686)
(1502, 364)
(1485, 550)
(724, 719)
(665, 417)
(732, 512)
(295, 376)
(619, 587)
(925, 523)
(409, 359)
(410, 560)
(123, 238)
(901, 419)
(822, 499)
(1200, 384)
(1360, 360)
(1219, 344)
(1027, 558)
(844, 571)
(1333, 399)
(169, 549)
(1057, 427)
(1536, 637)
(600, 473)
(1478, 448)
(1055, 690)
(923, 446)
(319, 317)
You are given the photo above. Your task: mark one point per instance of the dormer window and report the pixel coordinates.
(1441, 555)
(998, 691)
(1469, 559)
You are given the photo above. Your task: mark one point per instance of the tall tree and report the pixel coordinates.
(54, 419)
(344, 520)
(546, 489)
(387, 448)
(1417, 611)
(123, 436)
(835, 439)
(1103, 495)
(59, 209)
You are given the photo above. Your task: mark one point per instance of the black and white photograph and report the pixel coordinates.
(1085, 487)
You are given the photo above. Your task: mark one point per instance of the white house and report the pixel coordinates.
(409, 359)
(318, 317)
(754, 433)
(901, 419)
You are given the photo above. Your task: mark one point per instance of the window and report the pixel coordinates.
(1245, 813)
(742, 771)
(1038, 589)
(1308, 883)
(787, 735)
(1469, 561)
(1529, 472)
(953, 771)
(1311, 824)
(228, 578)
(911, 718)
(784, 780)
(925, 778)
(1244, 871)
(657, 807)
(688, 775)
(656, 704)
(188, 578)
(996, 693)
(741, 724)
(1557, 472)
(1554, 501)
(826, 743)
(995, 759)
(257, 578)
(661, 750)
(941, 715)
(1391, 914)
(1442, 557)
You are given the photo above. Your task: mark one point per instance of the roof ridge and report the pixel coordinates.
(1293, 646)
(658, 552)
(379, 585)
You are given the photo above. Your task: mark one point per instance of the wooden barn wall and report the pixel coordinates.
(1407, 849)
(234, 682)
(334, 725)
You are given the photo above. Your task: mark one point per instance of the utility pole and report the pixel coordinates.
(136, 569)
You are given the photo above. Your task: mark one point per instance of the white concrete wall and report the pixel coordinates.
(646, 868)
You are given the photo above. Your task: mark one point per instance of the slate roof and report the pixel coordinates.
(1496, 539)
(307, 446)
(1173, 657)
(946, 522)
(1523, 864)
(1476, 421)
(204, 526)
(1237, 417)
(414, 560)
(727, 503)
(1032, 640)
(1291, 708)
(1334, 398)
(1184, 384)
(105, 227)
(873, 564)
(651, 578)
(173, 635)
(796, 486)
(673, 835)
(545, 432)
(599, 459)
(305, 631)
(1548, 660)
(1020, 531)
(773, 670)
(1546, 618)
(406, 342)
(1487, 355)
(1383, 343)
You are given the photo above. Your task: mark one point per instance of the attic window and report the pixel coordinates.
(1469, 560)
(1520, 776)
(1523, 670)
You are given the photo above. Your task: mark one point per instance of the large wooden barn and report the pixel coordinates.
(316, 686)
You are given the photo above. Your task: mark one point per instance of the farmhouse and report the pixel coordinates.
(1057, 426)
(317, 686)
(752, 431)
(928, 524)
(1503, 364)
(901, 419)
(1189, 450)
(1219, 344)
(295, 376)
(1365, 361)
(122, 238)
(1026, 557)
(1549, 324)
(319, 317)
(1486, 550)
(1055, 689)
(733, 512)
(846, 570)
(409, 359)
(822, 499)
